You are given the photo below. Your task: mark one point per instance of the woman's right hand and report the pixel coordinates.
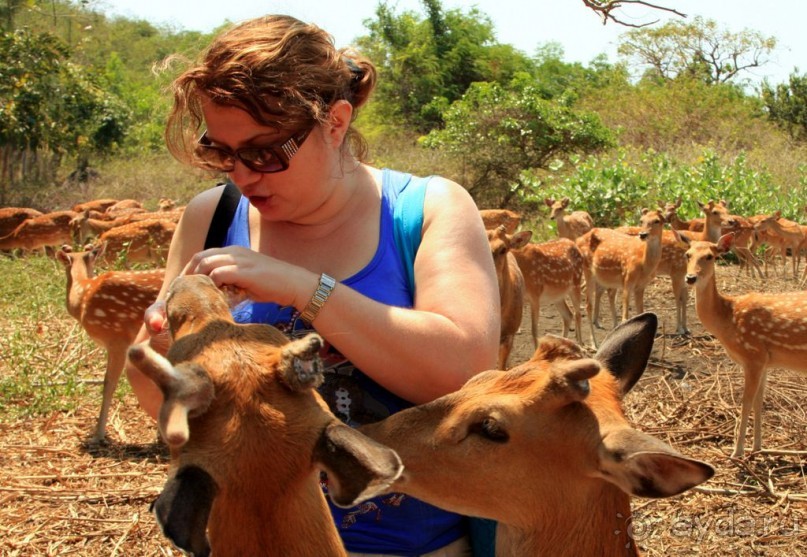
(156, 323)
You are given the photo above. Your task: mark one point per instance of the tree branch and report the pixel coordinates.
(604, 8)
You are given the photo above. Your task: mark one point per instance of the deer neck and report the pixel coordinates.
(77, 281)
(294, 522)
(597, 523)
(678, 224)
(711, 231)
(652, 252)
(714, 309)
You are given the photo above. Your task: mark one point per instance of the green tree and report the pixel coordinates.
(787, 105)
(427, 63)
(50, 107)
(698, 49)
(500, 133)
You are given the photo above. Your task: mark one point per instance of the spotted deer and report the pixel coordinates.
(673, 264)
(137, 242)
(110, 308)
(570, 226)
(785, 235)
(12, 217)
(41, 232)
(553, 271)
(84, 227)
(676, 223)
(493, 218)
(758, 330)
(616, 260)
(249, 435)
(511, 285)
(94, 205)
(553, 428)
(743, 245)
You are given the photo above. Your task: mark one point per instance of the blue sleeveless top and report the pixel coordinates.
(394, 524)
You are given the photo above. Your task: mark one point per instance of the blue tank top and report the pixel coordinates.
(394, 524)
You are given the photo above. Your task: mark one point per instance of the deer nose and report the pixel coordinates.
(643, 235)
(691, 279)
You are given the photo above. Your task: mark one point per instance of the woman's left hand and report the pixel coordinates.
(261, 277)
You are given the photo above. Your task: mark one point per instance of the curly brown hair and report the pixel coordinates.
(285, 73)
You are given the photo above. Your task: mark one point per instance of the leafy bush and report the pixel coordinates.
(614, 188)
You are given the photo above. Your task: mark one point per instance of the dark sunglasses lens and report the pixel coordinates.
(214, 158)
(261, 159)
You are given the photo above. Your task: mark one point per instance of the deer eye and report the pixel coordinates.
(490, 429)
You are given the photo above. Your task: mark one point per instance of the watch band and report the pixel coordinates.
(324, 289)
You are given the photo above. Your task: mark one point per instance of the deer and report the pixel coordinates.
(673, 264)
(568, 461)
(676, 223)
(569, 226)
(94, 205)
(41, 232)
(137, 242)
(552, 271)
(85, 227)
(493, 218)
(12, 217)
(109, 307)
(785, 235)
(616, 260)
(757, 330)
(249, 434)
(511, 285)
(743, 245)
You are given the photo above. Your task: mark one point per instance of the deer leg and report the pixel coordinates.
(757, 446)
(612, 302)
(625, 305)
(638, 297)
(595, 314)
(565, 315)
(535, 314)
(753, 378)
(589, 312)
(680, 295)
(116, 358)
(578, 320)
(505, 346)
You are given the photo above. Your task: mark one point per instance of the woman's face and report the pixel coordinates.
(288, 195)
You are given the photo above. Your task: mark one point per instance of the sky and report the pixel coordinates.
(525, 24)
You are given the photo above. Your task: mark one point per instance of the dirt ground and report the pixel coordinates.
(59, 496)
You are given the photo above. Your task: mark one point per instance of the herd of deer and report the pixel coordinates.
(758, 330)
(109, 306)
(555, 422)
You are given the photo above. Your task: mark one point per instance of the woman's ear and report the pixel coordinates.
(340, 116)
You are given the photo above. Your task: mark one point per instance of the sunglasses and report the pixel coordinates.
(265, 158)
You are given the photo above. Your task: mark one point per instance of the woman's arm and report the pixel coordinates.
(187, 240)
(453, 332)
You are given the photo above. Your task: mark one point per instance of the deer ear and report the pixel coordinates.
(183, 508)
(520, 239)
(626, 350)
(358, 468)
(187, 391)
(300, 367)
(549, 202)
(644, 466)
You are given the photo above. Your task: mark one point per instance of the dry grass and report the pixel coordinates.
(59, 496)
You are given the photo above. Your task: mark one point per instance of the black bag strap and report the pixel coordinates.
(223, 216)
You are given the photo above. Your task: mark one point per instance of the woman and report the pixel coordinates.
(311, 244)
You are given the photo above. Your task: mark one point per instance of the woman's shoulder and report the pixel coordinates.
(202, 206)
